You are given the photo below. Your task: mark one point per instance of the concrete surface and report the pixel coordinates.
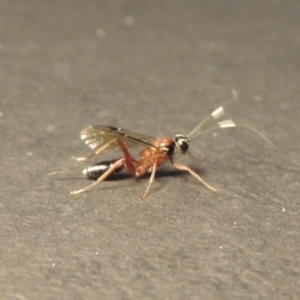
(155, 67)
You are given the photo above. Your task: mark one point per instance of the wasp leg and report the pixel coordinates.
(185, 168)
(96, 152)
(151, 180)
(129, 160)
(119, 163)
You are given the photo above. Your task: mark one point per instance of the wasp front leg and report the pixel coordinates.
(185, 168)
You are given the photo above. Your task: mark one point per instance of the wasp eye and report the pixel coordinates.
(183, 145)
(182, 142)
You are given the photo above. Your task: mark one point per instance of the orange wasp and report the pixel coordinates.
(156, 152)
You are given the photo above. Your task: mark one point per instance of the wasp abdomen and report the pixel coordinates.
(95, 171)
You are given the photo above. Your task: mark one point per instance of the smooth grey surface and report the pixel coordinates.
(155, 67)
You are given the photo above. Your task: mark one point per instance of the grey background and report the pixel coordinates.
(155, 67)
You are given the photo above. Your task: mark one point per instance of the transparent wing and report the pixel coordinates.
(219, 119)
(97, 136)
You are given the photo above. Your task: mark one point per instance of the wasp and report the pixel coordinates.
(155, 153)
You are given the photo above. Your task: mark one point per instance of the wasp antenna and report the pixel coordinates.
(267, 140)
(234, 95)
(211, 121)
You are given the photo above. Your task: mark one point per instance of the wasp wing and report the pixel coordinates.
(97, 136)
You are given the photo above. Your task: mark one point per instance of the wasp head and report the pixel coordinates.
(181, 143)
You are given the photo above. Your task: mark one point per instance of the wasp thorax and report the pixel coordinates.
(182, 142)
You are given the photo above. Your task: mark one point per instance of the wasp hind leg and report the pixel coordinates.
(119, 163)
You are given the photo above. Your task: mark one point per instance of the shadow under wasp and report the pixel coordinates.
(156, 152)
